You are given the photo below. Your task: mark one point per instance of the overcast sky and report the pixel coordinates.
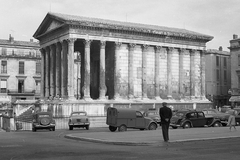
(217, 18)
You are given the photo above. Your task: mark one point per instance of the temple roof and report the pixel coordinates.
(119, 25)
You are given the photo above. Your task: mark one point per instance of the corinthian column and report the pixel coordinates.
(102, 70)
(117, 70)
(52, 69)
(86, 87)
(181, 72)
(71, 68)
(43, 54)
(144, 71)
(58, 68)
(157, 77)
(203, 65)
(169, 72)
(47, 73)
(64, 71)
(130, 71)
(192, 74)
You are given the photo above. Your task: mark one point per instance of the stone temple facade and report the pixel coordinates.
(98, 59)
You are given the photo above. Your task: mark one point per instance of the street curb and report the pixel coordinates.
(140, 143)
(108, 142)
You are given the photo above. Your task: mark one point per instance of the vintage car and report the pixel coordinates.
(122, 118)
(193, 118)
(153, 114)
(43, 120)
(223, 117)
(78, 120)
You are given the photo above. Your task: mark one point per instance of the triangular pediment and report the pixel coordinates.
(54, 24)
(48, 24)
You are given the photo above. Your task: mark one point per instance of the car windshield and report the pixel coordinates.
(151, 113)
(79, 114)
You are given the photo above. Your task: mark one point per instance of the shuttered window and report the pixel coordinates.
(21, 67)
(3, 66)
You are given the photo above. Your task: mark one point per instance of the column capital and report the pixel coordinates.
(118, 44)
(192, 51)
(182, 50)
(71, 41)
(131, 45)
(158, 48)
(145, 47)
(102, 44)
(87, 43)
(170, 49)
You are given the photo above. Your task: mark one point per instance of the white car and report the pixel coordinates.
(78, 120)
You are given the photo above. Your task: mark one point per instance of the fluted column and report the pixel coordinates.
(58, 68)
(117, 70)
(181, 72)
(102, 70)
(52, 69)
(169, 72)
(203, 75)
(64, 71)
(157, 76)
(43, 54)
(71, 68)
(192, 74)
(86, 87)
(47, 73)
(144, 71)
(130, 71)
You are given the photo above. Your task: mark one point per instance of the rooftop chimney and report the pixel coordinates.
(11, 39)
(235, 36)
(220, 48)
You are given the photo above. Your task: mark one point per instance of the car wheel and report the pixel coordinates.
(70, 127)
(122, 128)
(152, 126)
(186, 125)
(34, 129)
(53, 129)
(112, 129)
(141, 129)
(174, 127)
(87, 127)
(217, 124)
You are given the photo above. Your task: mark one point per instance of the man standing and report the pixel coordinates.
(166, 115)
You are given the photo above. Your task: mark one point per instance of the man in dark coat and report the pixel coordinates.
(166, 115)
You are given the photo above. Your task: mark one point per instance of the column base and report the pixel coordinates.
(87, 98)
(158, 98)
(169, 97)
(71, 98)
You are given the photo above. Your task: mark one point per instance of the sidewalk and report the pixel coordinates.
(154, 137)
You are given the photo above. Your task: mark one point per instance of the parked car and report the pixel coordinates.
(223, 117)
(122, 119)
(78, 120)
(153, 114)
(43, 120)
(193, 118)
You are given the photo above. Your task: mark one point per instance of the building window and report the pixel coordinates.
(225, 62)
(21, 67)
(218, 75)
(38, 67)
(217, 61)
(4, 67)
(4, 51)
(20, 86)
(38, 85)
(3, 86)
(225, 76)
(238, 60)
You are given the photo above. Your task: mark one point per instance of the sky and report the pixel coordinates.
(217, 18)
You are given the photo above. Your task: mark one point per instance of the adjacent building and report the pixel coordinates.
(235, 70)
(91, 58)
(218, 76)
(20, 76)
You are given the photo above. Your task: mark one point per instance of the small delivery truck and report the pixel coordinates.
(122, 118)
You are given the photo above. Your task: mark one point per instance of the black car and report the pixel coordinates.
(43, 120)
(193, 118)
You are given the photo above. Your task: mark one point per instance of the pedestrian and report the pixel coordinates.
(165, 115)
(231, 119)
